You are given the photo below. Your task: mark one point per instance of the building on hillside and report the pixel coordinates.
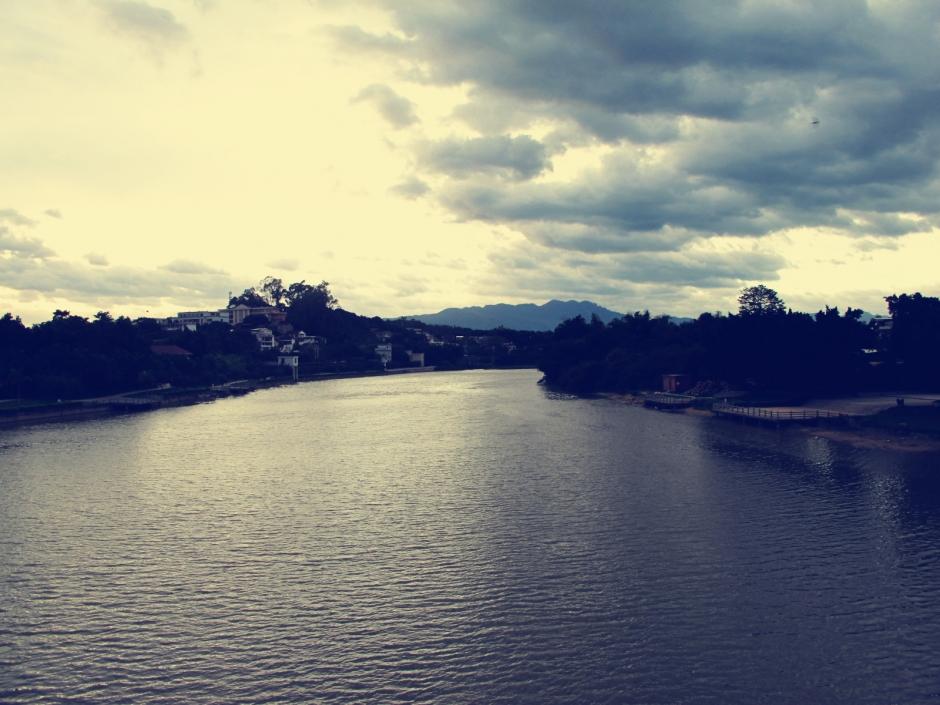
(384, 353)
(310, 344)
(416, 358)
(265, 338)
(238, 314)
(192, 320)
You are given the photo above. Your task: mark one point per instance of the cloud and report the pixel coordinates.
(396, 109)
(286, 264)
(411, 188)
(97, 260)
(704, 114)
(517, 158)
(116, 285)
(15, 244)
(14, 217)
(155, 26)
(53, 213)
(679, 283)
(184, 266)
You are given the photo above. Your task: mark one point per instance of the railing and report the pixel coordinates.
(668, 398)
(775, 414)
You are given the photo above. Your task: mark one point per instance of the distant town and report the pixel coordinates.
(407, 344)
(269, 334)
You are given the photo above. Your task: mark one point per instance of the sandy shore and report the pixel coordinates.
(880, 440)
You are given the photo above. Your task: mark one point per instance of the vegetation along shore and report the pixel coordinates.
(762, 363)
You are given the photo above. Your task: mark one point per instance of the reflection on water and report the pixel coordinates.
(460, 538)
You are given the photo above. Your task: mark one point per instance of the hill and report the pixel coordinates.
(517, 316)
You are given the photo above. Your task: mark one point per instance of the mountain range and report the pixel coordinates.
(532, 317)
(517, 316)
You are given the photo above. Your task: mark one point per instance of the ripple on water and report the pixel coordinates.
(459, 538)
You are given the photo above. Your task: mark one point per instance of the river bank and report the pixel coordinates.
(871, 422)
(34, 412)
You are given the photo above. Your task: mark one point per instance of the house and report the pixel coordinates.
(384, 353)
(265, 338)
(310, 344)
(416, 357)
(192, 320)
(238, 314)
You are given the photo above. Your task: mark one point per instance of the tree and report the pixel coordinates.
(311, 308)
(249, 297)
(274, 292)
(915, 338)
(760, 301)
(319, 294)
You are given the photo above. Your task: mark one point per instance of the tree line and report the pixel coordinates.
(73, 357)
(763, 348)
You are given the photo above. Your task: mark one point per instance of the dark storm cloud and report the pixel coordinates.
(517, 158)
(723, 118)
(699, 269)
(682, 56)
(396, 109)
(702, 270)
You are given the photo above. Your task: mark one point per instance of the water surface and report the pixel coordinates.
(460, 538)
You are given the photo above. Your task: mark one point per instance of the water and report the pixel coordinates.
(460, 538)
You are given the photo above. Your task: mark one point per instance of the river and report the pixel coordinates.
(461, 538)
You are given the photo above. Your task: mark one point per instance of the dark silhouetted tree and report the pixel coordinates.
(760, 300)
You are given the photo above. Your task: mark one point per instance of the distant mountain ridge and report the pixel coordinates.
(517, 316)
(533, 317)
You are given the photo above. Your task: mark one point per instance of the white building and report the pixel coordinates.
(384, 353)
(265, 338)
(191, 320)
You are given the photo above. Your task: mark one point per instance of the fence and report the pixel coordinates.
(776, 415)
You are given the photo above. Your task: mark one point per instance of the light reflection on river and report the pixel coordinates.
(460, 538)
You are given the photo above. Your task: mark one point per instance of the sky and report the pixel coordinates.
(155, 156)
